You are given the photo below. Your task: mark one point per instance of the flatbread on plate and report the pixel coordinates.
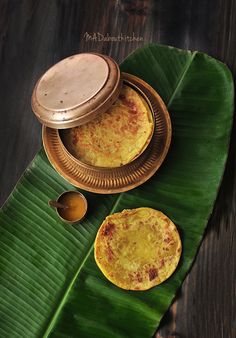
(116, 136)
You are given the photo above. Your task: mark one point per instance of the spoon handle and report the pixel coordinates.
(56, 204)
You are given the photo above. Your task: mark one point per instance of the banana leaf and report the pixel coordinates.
(49, 282)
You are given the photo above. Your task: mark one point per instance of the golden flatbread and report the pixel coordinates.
(137, 249)
(116, 136)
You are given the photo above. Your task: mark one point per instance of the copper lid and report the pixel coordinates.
(76, 90)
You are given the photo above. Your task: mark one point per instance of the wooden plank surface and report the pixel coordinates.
(36, 34)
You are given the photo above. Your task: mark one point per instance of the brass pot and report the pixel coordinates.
(49, 110)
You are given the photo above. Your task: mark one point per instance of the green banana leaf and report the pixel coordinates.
(49, 282)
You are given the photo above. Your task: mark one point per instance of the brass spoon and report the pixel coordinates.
(56, 204)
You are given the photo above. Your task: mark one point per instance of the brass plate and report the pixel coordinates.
(115, 180)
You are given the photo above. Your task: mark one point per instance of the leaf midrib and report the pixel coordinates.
(63, 299)
(181, 78)
(62, 302)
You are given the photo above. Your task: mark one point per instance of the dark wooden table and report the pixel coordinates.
(36, 34)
